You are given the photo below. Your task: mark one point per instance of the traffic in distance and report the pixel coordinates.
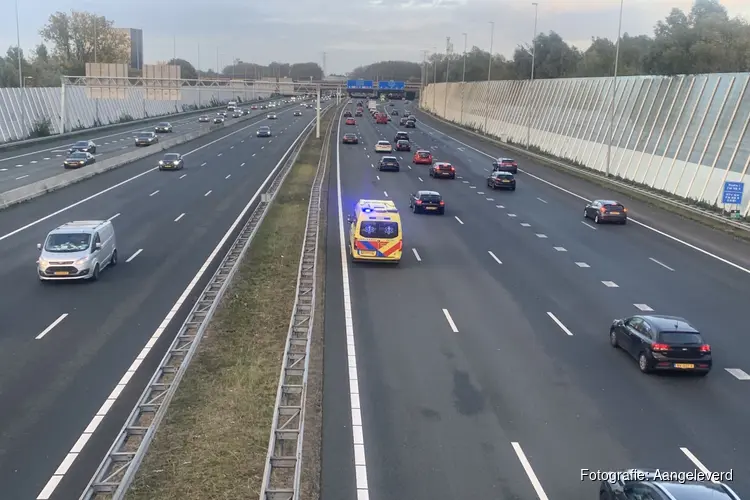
(377, 233)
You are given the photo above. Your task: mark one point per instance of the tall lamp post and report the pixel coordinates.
(434, 80)
(533, 64)
(489, 76)
(20, 75)
(614, 92)
(448, 52)
(463, 78)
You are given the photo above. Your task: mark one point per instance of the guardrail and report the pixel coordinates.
(117, 471)
(281, 477)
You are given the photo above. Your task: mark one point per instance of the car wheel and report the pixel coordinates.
(513, 188)
(441, 211)
(597, 220)
(453, 176)
(624, 222)
(414, 208)
(643, 363)
(585, 214)
(613, 339)
(95, 274)
(113, 260)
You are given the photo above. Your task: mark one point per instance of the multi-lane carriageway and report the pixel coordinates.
(68, 369)
(480, 367)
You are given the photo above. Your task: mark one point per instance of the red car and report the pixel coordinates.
(382, 119)
(350, 121)
(422, 157)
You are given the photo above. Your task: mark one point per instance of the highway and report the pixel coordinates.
(19, 167)
(483, 367)
(65, 346)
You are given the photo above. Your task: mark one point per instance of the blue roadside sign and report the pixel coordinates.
(391, 85)
(733, 192)
(359, 84)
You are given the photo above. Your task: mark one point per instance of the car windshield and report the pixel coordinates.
(164, 124)
(78, 156)
(171, 157)
(350, 136)
(680, 338)
(383, 143)
(264, 129)
(424, 154)
(430, 198)
(145, 135)
(403, 142)
(68, 242)
(81, 144)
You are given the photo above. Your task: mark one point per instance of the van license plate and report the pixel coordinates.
(367, 253)
(684, 365)
(61, 273)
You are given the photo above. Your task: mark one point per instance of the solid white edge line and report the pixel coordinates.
(697, 463)
(180, 217)
(354, 397)
(51, 326)
(560, 324)
(529, 471)
(645, 226)
(121, 183)
(449, 318)
(58, 475)
(114, 217)
(416, 254)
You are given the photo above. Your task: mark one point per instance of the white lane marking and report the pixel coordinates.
(409, 167)
(472, 187)
(465, 182)
(588, 225)
(697, 463)
(136, 254)
(183, 175)
(179, 217)
(243, 140)
(486, 170)
(50, 327)
(540, 235)
(45, 158)
(582, 264)
(155, 192)
(231, 147)
(19, 166)
(58, 156)
(203, 164)
(253, 154)
(219, 154)
(492, 254)
(560, 324)
(738, 374)
(560, 249)
(242, 164)
(529, 471)
(385, 193)
(643, 307)
(525, 224)
(57, 477)
(208, 192)
(450, 320)
(114, 217)
(543, 201)
(490, 199)
(610, 284)
(262, 147)
(22, 177)
(459, 177)
(34, 161)
(480, 192)
(661, 264)
(228, 176)
(499, 206)
(377, 177)
(3, 169)
(420, 179)
(416, 254)
(459, 220)
(511, 215)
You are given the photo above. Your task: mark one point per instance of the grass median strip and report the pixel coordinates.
(213, 441)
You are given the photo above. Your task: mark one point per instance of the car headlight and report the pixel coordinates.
(81, 262)
(42, 263)
(176, 162)
(161, 162)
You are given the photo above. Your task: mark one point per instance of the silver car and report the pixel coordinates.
(77, 250)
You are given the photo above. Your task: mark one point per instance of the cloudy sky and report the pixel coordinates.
(351, 32)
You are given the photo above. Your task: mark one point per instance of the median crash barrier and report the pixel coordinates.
(44, 186)
(681, 208)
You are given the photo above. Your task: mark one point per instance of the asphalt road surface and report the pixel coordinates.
(54, 381)
(482, 361)
(36, 162)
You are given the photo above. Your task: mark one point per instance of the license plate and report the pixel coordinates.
(61, 273)
(431, 208)
(506, 182)
(367, 253)
(614, 213)
(684, 365)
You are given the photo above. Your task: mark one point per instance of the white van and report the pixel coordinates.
(77, 250)
(231, 106)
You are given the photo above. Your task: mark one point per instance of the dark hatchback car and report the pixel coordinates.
(146, 139)
(403, 145)
(78, 160)
(645, 484)
(410, 124)
(662, 343)
(172, 161)
(443, 169)
(401, 136)
(83, 147)
(505, 165)
(347, 114)
(350, 139)
(394, 112)
(263, 132)
(606, 211)
(427, 201)
(389, 163)
(403, 121)
(501, 180)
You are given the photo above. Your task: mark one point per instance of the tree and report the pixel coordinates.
(389, 70)
(187, 71)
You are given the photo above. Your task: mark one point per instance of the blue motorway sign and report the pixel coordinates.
(732, 194)
(391, 85)
(359, 84)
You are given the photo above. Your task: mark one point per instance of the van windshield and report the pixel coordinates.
(378, 229)
(68, 242)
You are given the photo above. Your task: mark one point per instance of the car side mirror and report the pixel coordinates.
(97, 246)
(38, 246)
(349, 219)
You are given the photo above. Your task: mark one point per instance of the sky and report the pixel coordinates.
(350, 32)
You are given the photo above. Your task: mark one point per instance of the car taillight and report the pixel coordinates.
(442, 203)
(660, 347)
(705, 348)
(453, 169)
(418, 202)
(625, 210)
(602, 210)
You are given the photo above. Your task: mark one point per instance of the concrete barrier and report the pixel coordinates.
(44, 186)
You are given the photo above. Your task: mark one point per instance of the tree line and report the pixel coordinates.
(70, 40)
(704, 40)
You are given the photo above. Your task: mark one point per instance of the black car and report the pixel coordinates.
(350, 139)
(264, 132)
(403, 145)
(83, 147)
(505, 165)
(394, 112)
(78, 159)
(427, 201)
(501, 180)
(606, 211)
(413, 118)
(171, 161)
(403, 121)
(218, 119)
(146, 139)
(650, 484)
(163, 127)
(401, 136)
(662, 343)
(443, 169)
(358, 113)
(389, 163)
(297, 113)
(410, 124)
(347, 114)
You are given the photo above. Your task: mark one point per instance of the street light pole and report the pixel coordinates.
(20, 75)
(463, 78)
(489, 76)
(614, 92)
(434, 80)
(533, 64)
(448, 51)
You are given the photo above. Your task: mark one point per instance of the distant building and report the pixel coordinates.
(136, 47)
